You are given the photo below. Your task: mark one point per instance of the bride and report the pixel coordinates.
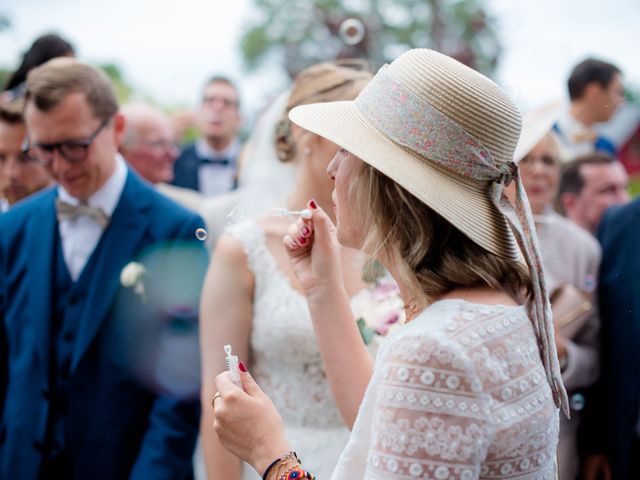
(253, 301)
(469, 387)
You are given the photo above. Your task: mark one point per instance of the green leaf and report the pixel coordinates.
(366, 332)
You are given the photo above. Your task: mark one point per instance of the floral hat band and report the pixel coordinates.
(408, 120)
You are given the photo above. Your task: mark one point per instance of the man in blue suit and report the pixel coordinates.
(210, 165)
(612, 431)
(73, 405)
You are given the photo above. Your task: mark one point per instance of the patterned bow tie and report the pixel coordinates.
(67, 211)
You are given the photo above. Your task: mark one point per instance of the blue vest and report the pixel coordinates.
(68, 302)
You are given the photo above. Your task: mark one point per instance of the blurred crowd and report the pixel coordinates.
(107, 223)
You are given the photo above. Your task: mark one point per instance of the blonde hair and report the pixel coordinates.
(324, 82)
(50, 83)
(433, 255)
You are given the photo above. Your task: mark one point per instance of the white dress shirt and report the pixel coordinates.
(80, 235)
(4, 205)
(214, 179)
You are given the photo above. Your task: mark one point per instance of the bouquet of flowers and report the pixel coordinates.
(379, 310)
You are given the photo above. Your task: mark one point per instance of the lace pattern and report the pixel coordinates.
(284, 352)
(286, 361)
(459, 393)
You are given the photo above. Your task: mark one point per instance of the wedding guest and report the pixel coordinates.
(42, 50)
(253, 301)
(589, 185)
(263, 180)
(210, 165)
(150, 148)
(570, 257)
(74, 406)
(611, 436)
(23, 177)
(596, 91)
(470, 386)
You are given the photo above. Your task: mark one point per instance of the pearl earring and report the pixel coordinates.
(306, 151)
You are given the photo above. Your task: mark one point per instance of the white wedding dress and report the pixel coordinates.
(457, 393)
(285, 360)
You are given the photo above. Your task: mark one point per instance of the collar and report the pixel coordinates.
(204, 150)
(107, 197)
(571, 125)
(4, 205)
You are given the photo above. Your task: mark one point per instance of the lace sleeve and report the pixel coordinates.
(431, 418)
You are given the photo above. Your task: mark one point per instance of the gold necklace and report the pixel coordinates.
(410, 311)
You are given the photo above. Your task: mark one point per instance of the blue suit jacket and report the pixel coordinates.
(611, 422)
(118, 428)
(186, 168)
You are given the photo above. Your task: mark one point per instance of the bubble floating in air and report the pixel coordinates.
(201, 234)
(352, 31)
(576, 402)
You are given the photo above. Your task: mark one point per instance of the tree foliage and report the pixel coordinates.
(298, 33)
(124, 91)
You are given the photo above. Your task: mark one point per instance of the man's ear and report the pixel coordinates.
(568, 203)
(119, 123)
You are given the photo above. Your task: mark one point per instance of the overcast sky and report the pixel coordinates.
(167, 49)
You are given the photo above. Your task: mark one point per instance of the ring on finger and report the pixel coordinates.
(215, 397)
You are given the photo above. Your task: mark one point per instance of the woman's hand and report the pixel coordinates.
(314, 253)
(247, 422)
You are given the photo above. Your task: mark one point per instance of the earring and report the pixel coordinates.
(306, 151)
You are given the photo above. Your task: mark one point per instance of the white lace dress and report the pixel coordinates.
(286, 362)
(458, 393)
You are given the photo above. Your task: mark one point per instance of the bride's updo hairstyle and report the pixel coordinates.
(323, 82)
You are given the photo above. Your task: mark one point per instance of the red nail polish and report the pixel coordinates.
(242, 367)
(305, 231)
(302, 241)
(312, 204)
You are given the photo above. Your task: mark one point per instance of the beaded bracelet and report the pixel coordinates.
(287, 456)
(288, 467)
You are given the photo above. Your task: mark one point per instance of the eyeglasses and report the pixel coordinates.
(73, 151)
(226, 102)
(161, 144)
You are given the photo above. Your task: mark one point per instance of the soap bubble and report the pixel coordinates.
(155, 336)
(201, 234)
(576, 402)
(352, 31)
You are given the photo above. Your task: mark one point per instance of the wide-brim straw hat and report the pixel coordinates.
(536, 124)
(467, 98)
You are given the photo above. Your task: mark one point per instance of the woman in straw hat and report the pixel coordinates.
(469, 388)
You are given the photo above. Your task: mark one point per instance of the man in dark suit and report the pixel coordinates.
(74, 405)
(611, 436)
(210, 164)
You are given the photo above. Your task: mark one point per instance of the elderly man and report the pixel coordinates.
(210, 164)
(74, 310)
(589, 185)
(21, 176)
(149, 148)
